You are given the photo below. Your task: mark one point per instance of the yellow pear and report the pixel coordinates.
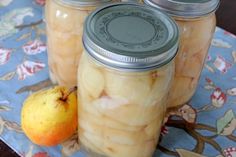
(49, 117)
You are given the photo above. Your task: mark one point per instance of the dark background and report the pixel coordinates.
(226, 19)
(226, 15)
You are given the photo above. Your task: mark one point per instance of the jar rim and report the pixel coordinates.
(83, 3)
(115, 36)
(184, 8)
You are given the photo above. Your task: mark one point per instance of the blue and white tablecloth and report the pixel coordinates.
(203, 127)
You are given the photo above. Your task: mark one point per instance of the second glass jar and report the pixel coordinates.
(64, 25)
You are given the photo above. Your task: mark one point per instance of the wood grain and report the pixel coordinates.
(6, 151)
(226, 15)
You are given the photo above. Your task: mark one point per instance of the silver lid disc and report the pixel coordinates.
(129, 36)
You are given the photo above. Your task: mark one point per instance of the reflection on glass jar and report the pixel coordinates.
(135, 1)
(64, 23)
(196, 21)
(124, 77)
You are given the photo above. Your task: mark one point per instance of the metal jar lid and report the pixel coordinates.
(185, 8)
(130, 37)
(83, 3)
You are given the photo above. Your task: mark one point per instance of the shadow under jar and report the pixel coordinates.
(124, 78)
(196, 21)
(64, 25)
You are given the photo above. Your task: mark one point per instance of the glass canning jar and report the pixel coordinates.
(196, 21)
(124, 77)
(64, 25)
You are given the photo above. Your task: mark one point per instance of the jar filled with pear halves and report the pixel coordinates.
(196, 21)
(64, 23)
(123, 79)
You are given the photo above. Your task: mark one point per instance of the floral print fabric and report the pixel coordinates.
(205, 126)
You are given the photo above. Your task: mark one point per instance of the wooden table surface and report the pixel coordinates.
(226, 15)
(226, 18)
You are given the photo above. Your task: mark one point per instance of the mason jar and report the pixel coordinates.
(64, 25)
(124, 77)
(196, 21)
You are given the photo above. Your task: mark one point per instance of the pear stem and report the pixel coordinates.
(71, 90)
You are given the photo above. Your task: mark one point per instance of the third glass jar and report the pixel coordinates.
(196, 21)
(64, 25)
